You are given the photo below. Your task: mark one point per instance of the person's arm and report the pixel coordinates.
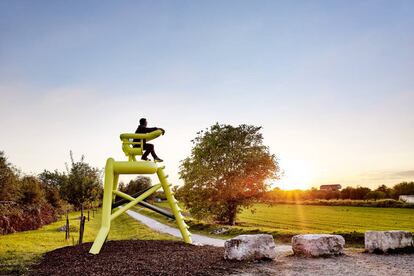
(149, 129)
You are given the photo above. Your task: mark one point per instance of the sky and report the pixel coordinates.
(330, 82)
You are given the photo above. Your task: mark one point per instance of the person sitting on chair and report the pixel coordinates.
(149, 148)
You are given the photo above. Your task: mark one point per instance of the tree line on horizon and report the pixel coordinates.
(348, 193)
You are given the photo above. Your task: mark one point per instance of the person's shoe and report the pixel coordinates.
(158, 159)
(145, 159)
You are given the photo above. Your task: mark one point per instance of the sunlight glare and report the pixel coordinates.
(296, 174)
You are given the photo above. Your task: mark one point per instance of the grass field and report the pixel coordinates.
(293, 219)
(18, 250)
(285, 220)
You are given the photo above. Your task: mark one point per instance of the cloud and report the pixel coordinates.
(409, 173)
(389, 175)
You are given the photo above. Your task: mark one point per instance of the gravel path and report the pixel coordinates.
(353, 263)
(197, 239)
(160, 227)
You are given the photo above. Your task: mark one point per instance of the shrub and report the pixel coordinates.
(31, 190)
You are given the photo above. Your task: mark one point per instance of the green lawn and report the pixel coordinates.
(297, 219)
(294, 219)
(18, 250)
(285, 220)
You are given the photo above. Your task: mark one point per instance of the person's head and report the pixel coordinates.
(143, 122)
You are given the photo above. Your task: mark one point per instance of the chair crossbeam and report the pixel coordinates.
(135, 201)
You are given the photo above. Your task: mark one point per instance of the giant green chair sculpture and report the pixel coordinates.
(112, 171)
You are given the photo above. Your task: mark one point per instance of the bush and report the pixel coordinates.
(31, 190)
(25, 202)
(53, 197)
(15, 217)
(9, 182)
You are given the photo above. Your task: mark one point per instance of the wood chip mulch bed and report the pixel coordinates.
(137, 257)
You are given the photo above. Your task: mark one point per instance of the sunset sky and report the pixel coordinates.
(331, 82)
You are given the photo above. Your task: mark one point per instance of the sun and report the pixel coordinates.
(296, 174)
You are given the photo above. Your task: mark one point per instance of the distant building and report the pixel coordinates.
(330, 187)
(407, 199)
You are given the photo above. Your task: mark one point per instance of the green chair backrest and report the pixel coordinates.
(128, 143)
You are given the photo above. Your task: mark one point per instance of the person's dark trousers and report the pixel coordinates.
(149, 148)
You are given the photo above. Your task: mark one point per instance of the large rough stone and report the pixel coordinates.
(317, 245)
(250, 247)
(383, 241)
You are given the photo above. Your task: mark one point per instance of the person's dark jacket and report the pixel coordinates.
(143, 129)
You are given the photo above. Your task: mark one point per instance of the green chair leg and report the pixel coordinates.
(106, 208)
(182, 226)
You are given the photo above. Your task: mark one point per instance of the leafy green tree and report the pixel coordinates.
(404, 188)
(9, 181)
(346, 192)
(31, 190)
(360, 192)
(388, 192)
(52, 183)
(228, 169)
(53, 179)
(332, 195)
(52, 195)
(375, 195)
(138, 184)
(83, 185)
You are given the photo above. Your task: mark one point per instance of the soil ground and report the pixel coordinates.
(138, 257)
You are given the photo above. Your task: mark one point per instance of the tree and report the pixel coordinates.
(375, 195)
(9, 182)
(388, 192)
(31, 190)
(227, 170)
(83, 185)
(360, 192)
(347, 192)
(53, 179)
(52, 183)
(404, 188)
(136, 185)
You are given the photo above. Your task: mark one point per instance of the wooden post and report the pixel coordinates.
(67, 233)
(88, 214)
(81, 225)
(81, 229)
